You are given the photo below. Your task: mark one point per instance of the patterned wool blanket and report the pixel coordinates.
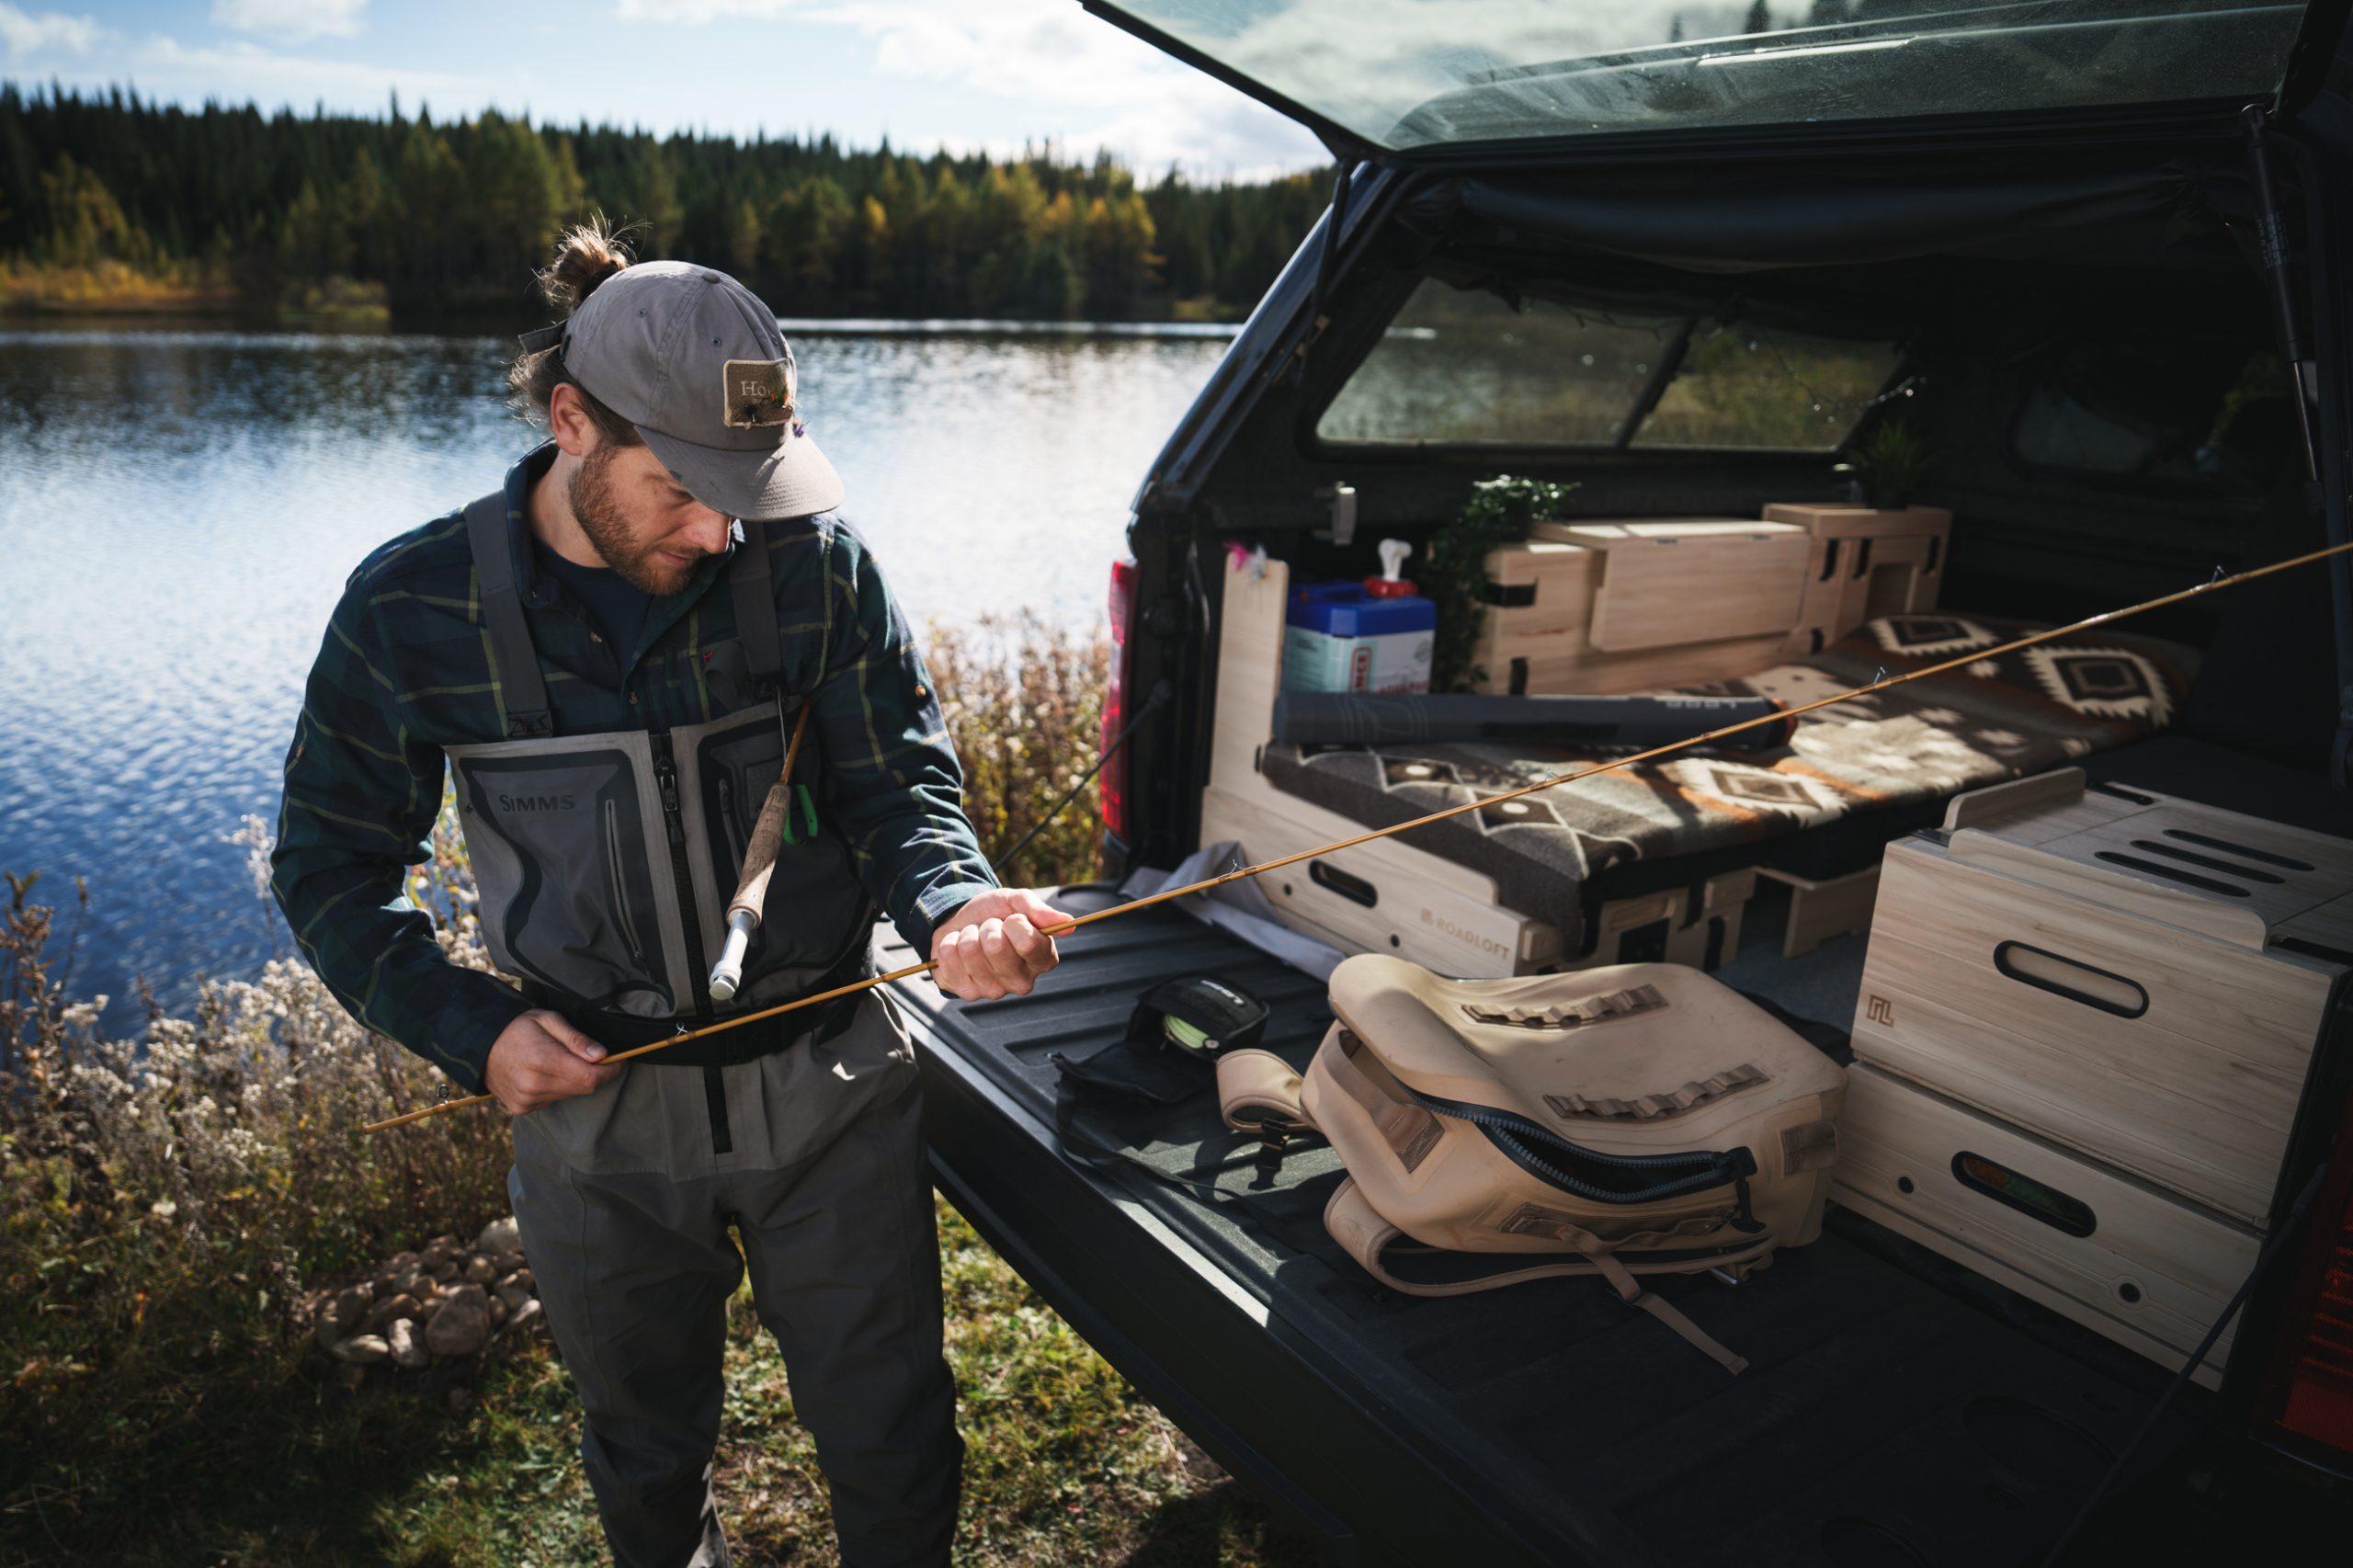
(1993, 719)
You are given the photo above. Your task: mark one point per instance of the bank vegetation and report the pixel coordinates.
(169, 1205)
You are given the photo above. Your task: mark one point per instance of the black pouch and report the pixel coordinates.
(1175, 1035)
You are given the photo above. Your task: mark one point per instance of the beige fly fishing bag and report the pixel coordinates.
(1633, 1120)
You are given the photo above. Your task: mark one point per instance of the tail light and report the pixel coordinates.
(1113, 779)
(2309, 1392)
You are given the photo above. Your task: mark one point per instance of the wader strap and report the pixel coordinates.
(514, 663)
(755, 597)
(714, 1103)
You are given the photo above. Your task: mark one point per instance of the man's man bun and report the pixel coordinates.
(585, 256)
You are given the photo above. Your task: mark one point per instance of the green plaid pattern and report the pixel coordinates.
(405, 670)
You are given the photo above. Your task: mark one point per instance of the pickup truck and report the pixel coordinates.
(2095, 256)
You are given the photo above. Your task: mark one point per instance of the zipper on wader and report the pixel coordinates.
(714, 1086)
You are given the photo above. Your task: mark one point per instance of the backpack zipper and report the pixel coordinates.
(1514, 1134)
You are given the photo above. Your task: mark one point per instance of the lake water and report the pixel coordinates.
(179, 511)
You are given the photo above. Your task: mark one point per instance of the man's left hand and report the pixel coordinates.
(995, 945)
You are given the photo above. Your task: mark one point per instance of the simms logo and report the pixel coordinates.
(536, 803)
(1462, 933)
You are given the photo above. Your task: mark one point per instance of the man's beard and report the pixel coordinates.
(598, 513)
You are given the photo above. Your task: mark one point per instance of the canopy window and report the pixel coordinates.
(1409, 75)
(1465, 367)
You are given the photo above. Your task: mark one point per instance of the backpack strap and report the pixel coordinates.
(1364, 1234)
(514, 663)
(755, 599)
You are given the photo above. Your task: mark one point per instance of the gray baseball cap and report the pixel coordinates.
(695, 363)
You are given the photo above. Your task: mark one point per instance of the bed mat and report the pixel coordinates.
(1880, 758)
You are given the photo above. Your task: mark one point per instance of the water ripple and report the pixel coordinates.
(182, 507)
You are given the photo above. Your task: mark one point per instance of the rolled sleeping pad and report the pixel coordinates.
(1600, 723)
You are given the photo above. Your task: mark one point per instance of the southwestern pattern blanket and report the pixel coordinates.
(1998, 718)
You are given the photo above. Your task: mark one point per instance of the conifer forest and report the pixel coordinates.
(108, 200)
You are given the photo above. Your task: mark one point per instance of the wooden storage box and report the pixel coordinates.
(1382, 897)
(1439, 913)
(1600, 608)
(1661, 928)
(2135, 977)
(2115, 1255)
(1864, 562)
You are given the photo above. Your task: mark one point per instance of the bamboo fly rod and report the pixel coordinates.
(1780, 716)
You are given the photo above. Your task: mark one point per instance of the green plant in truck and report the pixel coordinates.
(1453, 573)
(1890, 461)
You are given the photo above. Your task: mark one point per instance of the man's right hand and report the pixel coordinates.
(540, 1059)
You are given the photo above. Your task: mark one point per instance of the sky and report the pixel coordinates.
(987, 75)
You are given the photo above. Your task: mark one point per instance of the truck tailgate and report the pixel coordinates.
(1895, 1410)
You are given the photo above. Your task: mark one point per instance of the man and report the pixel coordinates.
(610, 676)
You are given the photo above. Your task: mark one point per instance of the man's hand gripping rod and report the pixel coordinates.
(1570, 776)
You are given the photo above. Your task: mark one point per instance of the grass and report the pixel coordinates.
(165, 1205)
(1065, 1464)
(113, 287)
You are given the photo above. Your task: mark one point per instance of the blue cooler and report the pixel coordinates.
(1369, 635)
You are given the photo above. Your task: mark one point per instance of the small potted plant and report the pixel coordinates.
(1887, 465)
(1454, 568)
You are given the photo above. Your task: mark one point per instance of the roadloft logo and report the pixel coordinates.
(1462, 933)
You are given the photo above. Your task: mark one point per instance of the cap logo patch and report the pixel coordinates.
(757, 393)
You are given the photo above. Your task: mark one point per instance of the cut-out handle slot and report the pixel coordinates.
(2171, 873)
(2076, 982)
(1355, 890)
(2025, 1194)
(2172, 853)
(2244, 852)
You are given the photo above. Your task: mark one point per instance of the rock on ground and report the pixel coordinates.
(462, 1325)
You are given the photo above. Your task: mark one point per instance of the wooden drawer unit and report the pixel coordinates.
(1382, 897)
(2115, 1255)
(1660, 926)
(1600, 608)
(2135, 977)
(1864, 562)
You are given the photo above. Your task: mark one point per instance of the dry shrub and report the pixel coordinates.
(1024, 701)
(164, 1203)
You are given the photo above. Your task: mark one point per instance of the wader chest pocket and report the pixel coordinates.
(815, 903)
(560, 830)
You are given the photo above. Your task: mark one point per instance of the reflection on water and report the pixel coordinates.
(179, 510)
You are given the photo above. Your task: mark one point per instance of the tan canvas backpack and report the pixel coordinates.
(1635, 1119)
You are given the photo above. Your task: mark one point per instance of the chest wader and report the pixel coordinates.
(604, 863)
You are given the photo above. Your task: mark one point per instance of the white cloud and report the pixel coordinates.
(292, 20)
(235, 71)
(27, 32)
(1098, 86)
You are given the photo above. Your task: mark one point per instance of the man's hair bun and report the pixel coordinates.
(585, 256)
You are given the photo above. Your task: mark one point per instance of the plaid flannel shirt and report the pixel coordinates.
(405, 670)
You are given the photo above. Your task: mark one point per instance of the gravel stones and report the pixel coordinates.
(388, 1312)
(444, 1303)
(343, 1313)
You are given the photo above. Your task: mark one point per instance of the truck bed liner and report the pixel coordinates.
(1895, 1410)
